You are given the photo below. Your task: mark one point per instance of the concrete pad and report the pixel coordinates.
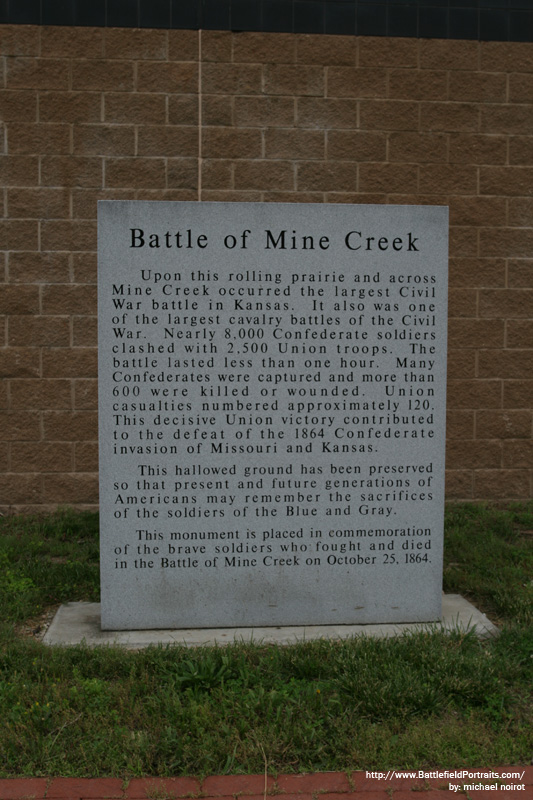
(75, 623)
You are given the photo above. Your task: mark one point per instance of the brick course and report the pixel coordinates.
(110, 113)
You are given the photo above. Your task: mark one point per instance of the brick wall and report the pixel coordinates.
(91, 113)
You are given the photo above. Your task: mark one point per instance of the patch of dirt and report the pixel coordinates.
(36, 627)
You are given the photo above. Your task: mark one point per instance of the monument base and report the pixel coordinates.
(75, 623)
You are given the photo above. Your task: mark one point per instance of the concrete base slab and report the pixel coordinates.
(75, 623)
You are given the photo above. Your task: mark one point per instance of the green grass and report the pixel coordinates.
(417, 701)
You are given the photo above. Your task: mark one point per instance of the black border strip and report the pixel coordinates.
(486, 20)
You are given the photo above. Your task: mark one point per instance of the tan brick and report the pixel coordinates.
(135, 43)
(520, 212)
(466, 148)
(86, 457)
(473, 455)
(40, 395)
(4, 459)
(20, 40)
(41, 457)
(19, 170)
(410, 84)
(323, 49)
(462, 363)
(356, 198)
(261, 111)
(86, 395)
(505, 363)
(134, 108)
(267, 48)
(297, 144)
(231, 196)
(389, 115)
(478, 87)
(183, 45)
(463, 242)
(521, 150)
(356, 146)
(520, 273)
(84, 267)
(477, 333)
(104, 140)
(388, 177)
(506, 303)
(20, 426)
(506, 118)
(449, 54)
(182, 173)
(506, 180)
(449, 117)
(353, 82)
(42, 331)
(218, 109)
(506, 242)
(18, 106)
(506, 56)
(134, 172)
(443, 178)
(99, 75)
(70, 107)
(327, 176)
(18, 235)
(293, 197)
(520, 333)
(375, 51)
(459, 424)
(183, 110)
(170, 140)
(288, 79)
(38, 203)
(21, 489)
(231, 143)
(71, 171)
(62, 363)
(517, 454)
(39, 267)
(503, 424)
(477, 211)
(68, 235)
(462, 303)
(459, 484)
(66, 426)
(501, 484)
(264, 175)
(231, 79)
(161, 76)
(77, 488)
(167, 194)
(520, 88)
(217, 45)
(19, 299)
(325, 113)
(64, 299)
(84, 331)
(518, 394)
(85, 201)
(36, 73)
(418, 147)
(474, 393)
(465, 272)
(67, 42)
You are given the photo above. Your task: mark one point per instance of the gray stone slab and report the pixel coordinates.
(75, 623)
(271, 413)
